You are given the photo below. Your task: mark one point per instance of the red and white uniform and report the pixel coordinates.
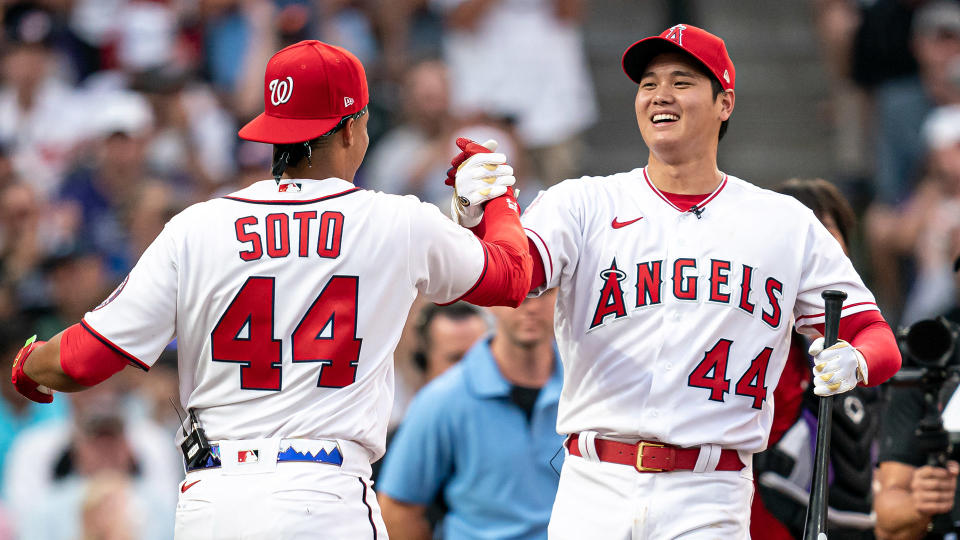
(287, 305)
(674, 325)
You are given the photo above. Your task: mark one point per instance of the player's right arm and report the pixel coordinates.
(484, 202)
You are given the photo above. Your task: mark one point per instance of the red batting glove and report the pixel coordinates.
(468, 149)
(24, 384)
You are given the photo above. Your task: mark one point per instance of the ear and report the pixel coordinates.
(348, 133)
(726, 100)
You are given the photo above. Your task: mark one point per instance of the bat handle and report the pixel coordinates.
(833, 302)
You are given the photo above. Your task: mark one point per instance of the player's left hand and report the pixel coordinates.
(836, 369)
(22, 382)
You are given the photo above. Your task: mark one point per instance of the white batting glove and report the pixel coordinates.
(837, 369)
(480, 178)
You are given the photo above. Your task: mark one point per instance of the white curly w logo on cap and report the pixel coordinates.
(676, 33)
(280, 90)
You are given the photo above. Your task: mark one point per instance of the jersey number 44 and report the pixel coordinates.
(326, 334)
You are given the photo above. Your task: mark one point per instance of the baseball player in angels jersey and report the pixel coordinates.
(678, 287)
(287, 299)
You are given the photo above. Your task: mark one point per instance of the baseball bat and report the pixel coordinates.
(815, 526)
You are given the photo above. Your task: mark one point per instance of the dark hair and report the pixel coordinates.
(286, 155)
(429, 313)
(824, 199)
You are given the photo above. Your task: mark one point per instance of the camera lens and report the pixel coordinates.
(930, 342)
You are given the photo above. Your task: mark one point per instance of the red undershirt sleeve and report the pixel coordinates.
(872, 336)
(508, 266)
(85, 359)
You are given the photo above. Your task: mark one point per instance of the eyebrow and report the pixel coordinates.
(676, 73)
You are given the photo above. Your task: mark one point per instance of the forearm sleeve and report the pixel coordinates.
(508, 267)
(85, 359)
(872, 336)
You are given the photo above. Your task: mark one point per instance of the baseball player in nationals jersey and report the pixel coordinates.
(678, 287)
(287, 299)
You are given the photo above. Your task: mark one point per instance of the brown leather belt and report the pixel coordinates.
(647, 456)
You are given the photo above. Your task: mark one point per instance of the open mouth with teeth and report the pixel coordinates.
(664, 119)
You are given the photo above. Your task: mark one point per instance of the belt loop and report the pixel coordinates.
(708, 458)
(587, 445)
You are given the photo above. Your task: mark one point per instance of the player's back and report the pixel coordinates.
(289, 303)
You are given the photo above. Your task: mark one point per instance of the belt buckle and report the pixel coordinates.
(640, 446)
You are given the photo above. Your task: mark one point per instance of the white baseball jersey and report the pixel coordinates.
(287, 305)
(675, 325)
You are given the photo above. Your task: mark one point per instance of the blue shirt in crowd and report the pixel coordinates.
(463, 435)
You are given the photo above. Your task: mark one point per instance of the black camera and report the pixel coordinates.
(930, 344)
(931, 357)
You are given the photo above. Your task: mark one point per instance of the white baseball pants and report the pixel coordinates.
(294, 501)
(615, 502)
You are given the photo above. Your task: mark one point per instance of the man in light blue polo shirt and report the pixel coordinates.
(484, 435)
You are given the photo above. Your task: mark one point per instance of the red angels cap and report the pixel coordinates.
(697, 42)
(308, 87)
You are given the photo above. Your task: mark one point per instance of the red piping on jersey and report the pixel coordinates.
(325, 197)
(545, 246)
(844, 307)
(132, 359)
(701, 204)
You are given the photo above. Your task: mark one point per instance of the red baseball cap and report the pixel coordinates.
(697, 42)
(308, 87)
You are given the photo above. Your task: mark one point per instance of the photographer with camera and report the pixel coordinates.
(917, 479)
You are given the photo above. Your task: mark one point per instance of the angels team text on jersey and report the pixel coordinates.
(646, 285)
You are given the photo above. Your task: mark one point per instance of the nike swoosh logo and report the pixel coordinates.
(618, 224)
(185, 487)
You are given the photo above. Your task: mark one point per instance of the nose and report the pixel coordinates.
(663, 96)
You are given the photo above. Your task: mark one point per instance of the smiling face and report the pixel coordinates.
(676, 110)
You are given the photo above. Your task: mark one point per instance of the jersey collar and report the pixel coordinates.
(701, 204)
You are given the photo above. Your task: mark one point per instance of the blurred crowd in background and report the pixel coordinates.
(117, 114)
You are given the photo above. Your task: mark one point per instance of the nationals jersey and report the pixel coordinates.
(674, 324)
(287, 304)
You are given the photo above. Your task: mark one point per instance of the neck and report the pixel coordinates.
(529, 366)
(322, 165)
(685, 177)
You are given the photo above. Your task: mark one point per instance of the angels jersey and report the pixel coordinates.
(674, 324)
(287, 305)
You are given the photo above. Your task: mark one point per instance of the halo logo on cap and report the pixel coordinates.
(281, 90)
(676, 33)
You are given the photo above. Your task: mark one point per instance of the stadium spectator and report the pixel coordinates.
(927, 227)
(101, 193)
(39, 114)
(48, 467)
(501, 55)
(484, 435)
(410, 157)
